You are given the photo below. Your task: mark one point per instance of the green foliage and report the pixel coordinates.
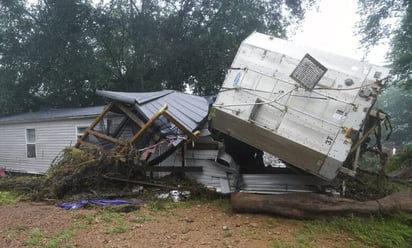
(62, 238)
(401, 160)
(396, 102)
(391, 231)
(389, 19)
(57, 53)
(8, 198)
(36, 238)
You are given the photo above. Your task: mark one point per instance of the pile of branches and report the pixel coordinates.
(77, 171)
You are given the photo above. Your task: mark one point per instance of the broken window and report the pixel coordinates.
(31, 142)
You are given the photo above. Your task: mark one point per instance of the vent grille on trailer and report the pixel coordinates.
(308, 72)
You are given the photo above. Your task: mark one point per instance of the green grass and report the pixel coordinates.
(114, 222)
(7, 197)
(39, 239)
(390, 231)
(35, 239)
(141, 218)
(110, 216)
(61, 240)
(117, 228)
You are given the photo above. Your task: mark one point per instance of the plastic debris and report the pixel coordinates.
(2, 172)
(174, 195)
(82, 203)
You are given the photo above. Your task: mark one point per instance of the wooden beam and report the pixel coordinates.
(138, 182)
(86, 143)
(106, 137)
(180, 125)
(171, 168)
(148, 123)
(106, 109)
(130, 114)
(134, 118)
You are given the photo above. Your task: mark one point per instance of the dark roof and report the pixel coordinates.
(52, 114)
(188, 109)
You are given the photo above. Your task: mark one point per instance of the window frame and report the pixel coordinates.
(31, 143)
(78, 135)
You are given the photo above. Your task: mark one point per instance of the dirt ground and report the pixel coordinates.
(32, 224)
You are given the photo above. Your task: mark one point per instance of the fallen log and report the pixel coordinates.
(312, 205)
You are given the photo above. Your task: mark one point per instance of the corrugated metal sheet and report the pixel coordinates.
(271, 183)
(188, 109)
(52, 114)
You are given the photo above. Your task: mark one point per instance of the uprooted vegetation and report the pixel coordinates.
(96, 173)
(90, 173)
(370, 184)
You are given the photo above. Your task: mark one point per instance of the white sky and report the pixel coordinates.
(332, 29)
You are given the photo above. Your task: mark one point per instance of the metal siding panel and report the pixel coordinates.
(51, 138)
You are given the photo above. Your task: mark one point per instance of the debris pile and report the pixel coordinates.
(82, 171)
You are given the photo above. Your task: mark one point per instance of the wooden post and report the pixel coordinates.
(148, 123)
(106, 109)
(180, 126)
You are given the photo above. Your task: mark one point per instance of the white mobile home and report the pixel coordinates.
(29, 142)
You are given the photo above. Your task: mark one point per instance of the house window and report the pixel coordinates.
(80, 131)
(31, 142)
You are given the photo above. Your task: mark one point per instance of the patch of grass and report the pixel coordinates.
(379, 231)
(35, 239)
(114, 223)
(82, 221)
(281, 244)
(7, 197)
(223, 204)
(141, 218)
(390, 231)
(110, 216)
(252, 233)
(38, 239)
(119, 227)
(306, 235)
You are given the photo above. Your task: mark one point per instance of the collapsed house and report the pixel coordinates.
(311, 109)
(168, 131)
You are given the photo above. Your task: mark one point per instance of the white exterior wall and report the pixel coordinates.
(51, 138)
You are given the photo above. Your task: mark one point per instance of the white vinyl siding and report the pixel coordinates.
(51, 138)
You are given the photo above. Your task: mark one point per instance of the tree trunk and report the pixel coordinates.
(311, 205)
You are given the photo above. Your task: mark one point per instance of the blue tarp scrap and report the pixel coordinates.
(82, 203)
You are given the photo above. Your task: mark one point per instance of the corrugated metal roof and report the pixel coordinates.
(188, 109)
(52, 114)
(132, 97)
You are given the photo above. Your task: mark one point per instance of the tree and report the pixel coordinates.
(55, 53)
(391, 19)
(202, 36)
(396, 102)
(14, 29)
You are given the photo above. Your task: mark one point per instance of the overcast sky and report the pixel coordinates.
(332, 29)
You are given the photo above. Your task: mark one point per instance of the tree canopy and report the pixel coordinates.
(56, 53)
(392, 19)
(389, 19)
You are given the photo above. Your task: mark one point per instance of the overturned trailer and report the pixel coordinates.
(309, 108)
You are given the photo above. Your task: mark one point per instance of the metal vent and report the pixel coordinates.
(308, 72)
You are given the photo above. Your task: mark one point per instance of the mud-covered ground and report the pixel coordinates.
(33, 224)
